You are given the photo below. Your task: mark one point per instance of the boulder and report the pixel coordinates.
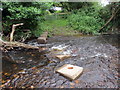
(43, 38)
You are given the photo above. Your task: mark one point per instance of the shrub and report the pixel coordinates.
(28, 13)
(86, 20)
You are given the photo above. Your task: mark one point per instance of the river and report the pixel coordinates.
(98, 55)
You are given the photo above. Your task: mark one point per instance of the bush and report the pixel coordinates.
(28, 13)
(86, 20)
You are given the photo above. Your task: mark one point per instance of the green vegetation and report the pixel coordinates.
(87, 20)
(28, 13)
(57, 27)
(83, 17)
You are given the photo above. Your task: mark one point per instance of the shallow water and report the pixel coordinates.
(98, 55)
(21, 60)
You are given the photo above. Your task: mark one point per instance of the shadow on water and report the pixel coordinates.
(113, 39)
(17, 60)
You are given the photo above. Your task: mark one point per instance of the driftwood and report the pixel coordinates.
(13, 30)
(17, 44)
(9, 45)
(6, 44)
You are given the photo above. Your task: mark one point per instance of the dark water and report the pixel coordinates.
(97, 50)
(113, 39)
(17, 60)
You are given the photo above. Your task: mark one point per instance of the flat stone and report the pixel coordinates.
(53, 85)
(59, 82)
(42, 40)
(61, 57)
(53, 81)
(70, 71)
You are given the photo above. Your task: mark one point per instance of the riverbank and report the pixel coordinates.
(58, 27)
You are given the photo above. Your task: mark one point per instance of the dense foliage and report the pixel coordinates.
(85, 17)
(90, 18)
(113, 9)
(87, 20)
(27, 12)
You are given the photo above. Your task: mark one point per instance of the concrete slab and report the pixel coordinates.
(70, 71)
(61, 57)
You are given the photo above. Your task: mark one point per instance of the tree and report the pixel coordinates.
(111, 14)
(28, 13)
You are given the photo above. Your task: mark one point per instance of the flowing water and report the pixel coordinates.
(98, 55)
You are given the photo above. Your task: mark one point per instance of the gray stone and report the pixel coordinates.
(43, 38)
(48, 83)
(53, 81)
(53, 85)
(52, 64)
(46, 77)
(59, 82)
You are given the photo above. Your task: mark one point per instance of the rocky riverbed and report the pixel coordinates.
(98, 55)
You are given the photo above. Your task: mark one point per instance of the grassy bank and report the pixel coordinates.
(58, 27)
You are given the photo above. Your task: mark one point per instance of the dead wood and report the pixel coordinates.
(16, 44)
(13, 30)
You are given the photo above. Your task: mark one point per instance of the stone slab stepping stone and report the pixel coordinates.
(43, 38)
(61, 57)
(70, 71)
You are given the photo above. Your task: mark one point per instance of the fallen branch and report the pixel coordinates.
(109, 20)
(13, 30)
(9, 45)
(23, 38)
(17, 44)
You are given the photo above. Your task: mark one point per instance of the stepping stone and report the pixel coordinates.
(61, 57)
(43, 38)
(70, 71)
